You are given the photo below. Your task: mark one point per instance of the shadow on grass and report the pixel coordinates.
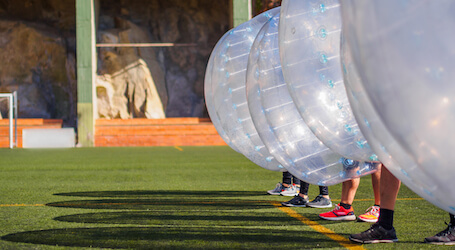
(170, 238)
(165, 200)
(162, 204)
(154, 193)
(176, 219)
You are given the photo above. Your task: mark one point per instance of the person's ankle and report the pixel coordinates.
(345, 205)
(303, 196)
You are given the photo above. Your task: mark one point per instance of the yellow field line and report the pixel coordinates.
(319, 228)
(22, 205)
(178, 148)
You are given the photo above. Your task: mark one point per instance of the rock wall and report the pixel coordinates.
(35, 63)
(37, 51)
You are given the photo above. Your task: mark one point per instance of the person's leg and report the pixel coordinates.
(287, 179)
(383, 231)
(376, 183)
(446, 236)
(372, 213)
(344, 210)
(390, 185)
(324, 191)
(296, 181)
(348, 191)
(304, 187)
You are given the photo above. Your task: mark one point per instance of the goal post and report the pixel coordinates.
(12, 115)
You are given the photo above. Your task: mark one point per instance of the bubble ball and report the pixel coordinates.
(415, 178)
(309, 35)
(209, 98)
(228, 79)
(403, 55)
(280, 125)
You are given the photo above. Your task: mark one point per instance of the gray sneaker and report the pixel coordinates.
(277, 191)
(320, 202)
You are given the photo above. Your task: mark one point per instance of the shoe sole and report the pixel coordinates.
(291, 205)
(442, 243)
(271, 193)
(320, 206)
(367, 220)
(285, 194)
(373, 241)
(347, 217)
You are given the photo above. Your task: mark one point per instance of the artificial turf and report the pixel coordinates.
(172, 198)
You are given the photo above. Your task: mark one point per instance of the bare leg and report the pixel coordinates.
(376, 182)
(390, 186)
(348, 190)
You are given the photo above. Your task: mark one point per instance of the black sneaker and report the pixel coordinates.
(445, 237)
(376, 234)
(297, 201)
(320, 202)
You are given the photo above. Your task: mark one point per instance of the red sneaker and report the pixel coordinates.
(338, 213)
(371, 215)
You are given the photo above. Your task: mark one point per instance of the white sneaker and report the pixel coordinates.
(279, 187)
(291, 190)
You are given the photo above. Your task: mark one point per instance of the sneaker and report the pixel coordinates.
(445, 237)
(279, 187)
(297, 201)
(292, 190)
(338, 213)
(320, 202)
(376, 234)
(370, 215)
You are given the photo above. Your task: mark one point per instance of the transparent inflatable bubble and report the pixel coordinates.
(414, 177)
(280, 125)
(403, 88)
(208, 94)
(228, 94)
(310, 54)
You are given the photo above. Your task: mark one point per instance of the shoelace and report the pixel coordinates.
(372, 210)
(317, 199)
(279, 187)
(373, 231)
(297, 198)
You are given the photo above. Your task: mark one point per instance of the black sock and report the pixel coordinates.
(376, 205)
(452, 219)
(386, 218)
(345, 206)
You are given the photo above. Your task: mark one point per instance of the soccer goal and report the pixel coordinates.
(12, 115)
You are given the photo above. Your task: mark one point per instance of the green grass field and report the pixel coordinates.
(175, 198)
